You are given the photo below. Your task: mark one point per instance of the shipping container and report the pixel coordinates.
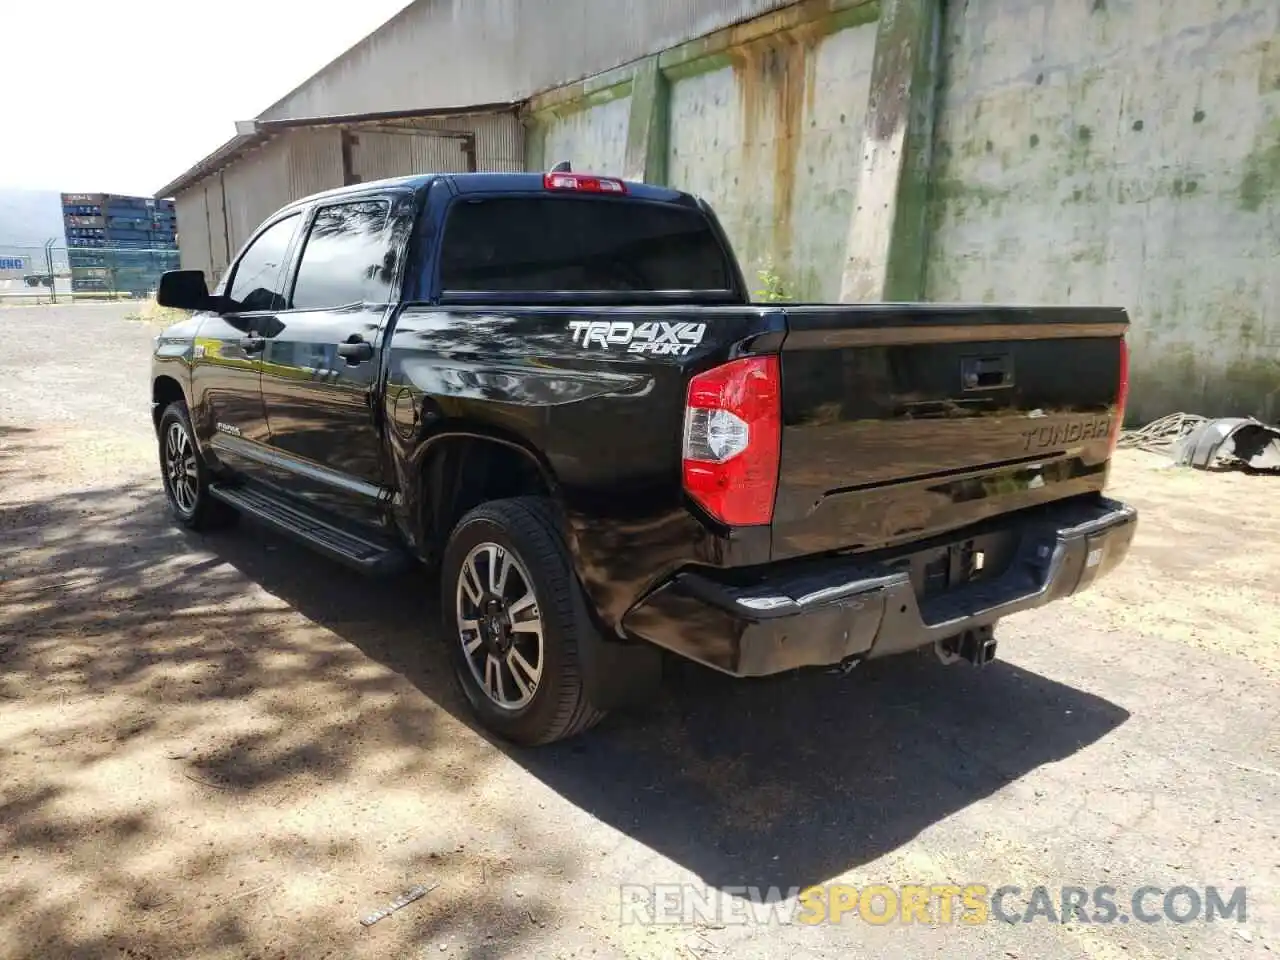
(119, 244)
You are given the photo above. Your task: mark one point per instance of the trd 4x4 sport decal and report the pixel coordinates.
(657, 339)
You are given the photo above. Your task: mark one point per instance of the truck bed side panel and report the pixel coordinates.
(604, 421)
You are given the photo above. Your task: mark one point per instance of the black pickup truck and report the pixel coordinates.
(554, 392)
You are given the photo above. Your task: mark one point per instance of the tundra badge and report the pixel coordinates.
(1062, 434)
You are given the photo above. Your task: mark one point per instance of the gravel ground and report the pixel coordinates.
(223, 746)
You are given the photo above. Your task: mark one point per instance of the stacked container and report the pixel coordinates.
(118, 245)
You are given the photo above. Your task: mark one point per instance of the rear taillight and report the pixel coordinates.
(1122, 395)
(583, 183)
(733, 440)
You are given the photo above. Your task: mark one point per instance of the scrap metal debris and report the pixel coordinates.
(402, 901)
(1232, 442)
(1191, 440)
(1163, 435)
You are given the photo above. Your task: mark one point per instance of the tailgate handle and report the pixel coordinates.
(987, 373)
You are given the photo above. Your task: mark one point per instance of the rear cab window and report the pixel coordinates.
(525, 244)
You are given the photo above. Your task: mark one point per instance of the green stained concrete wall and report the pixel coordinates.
(887, 234)
(769, 132)
(1029, 151)
(1127, 153)
(592, 137)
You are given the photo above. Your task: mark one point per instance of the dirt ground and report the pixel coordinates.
(223, 746)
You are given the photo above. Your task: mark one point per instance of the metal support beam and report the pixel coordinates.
(885, 252)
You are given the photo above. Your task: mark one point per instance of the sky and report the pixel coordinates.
(122, 96)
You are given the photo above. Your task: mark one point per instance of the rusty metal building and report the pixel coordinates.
(271, 162)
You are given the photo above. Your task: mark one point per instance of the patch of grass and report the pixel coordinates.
(152, 313)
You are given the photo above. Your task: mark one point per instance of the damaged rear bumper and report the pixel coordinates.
(821, 612)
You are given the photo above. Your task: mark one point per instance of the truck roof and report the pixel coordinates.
(491, 183)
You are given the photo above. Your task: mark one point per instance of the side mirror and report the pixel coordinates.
(184, 290)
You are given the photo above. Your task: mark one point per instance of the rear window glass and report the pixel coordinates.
(569, 243)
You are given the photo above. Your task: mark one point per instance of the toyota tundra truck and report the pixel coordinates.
(554, 395)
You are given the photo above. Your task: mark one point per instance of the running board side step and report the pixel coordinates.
(370, 557)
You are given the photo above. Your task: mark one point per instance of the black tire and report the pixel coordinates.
(558, 706)
(189, 499)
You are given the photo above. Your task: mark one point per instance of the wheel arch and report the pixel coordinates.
(464, 465)
(456, 464)
(164, 391)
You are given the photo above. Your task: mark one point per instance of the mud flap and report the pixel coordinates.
(617, 674)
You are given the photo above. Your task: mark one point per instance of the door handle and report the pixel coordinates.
(355, 350)
(253, 344)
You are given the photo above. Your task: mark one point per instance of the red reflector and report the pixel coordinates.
(583, 183)
(733, 440)
(1122, 395)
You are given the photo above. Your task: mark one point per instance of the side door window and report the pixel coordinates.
(258, 281)
(349, 258)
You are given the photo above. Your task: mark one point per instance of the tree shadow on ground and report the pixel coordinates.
(15, 443)
(232, 710)
(192, 767)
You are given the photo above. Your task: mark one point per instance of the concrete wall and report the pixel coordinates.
(763, 119)
(772, 141)
(591, 137)
(1032, 151)
(1121, 152)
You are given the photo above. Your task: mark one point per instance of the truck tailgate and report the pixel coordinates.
(906, 421)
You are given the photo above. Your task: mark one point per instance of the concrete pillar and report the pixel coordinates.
(885, 252)
(535, 146)
(646, 156)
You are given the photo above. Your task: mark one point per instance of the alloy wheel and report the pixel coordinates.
(180, 468)
(499, 625)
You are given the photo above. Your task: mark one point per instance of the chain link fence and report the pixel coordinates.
(56, 273)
